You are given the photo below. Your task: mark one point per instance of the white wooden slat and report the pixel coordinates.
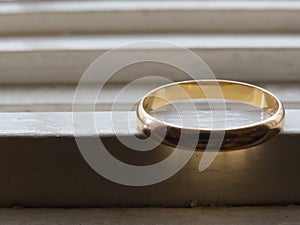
(39, 154)
(59, 124)
(64, 59)
(148, 16)
(50, 98)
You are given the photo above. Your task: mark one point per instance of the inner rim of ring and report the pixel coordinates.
(211, 89)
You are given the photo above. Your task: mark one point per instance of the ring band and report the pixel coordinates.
(235, 137)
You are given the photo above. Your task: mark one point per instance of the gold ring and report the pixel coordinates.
(238, 137)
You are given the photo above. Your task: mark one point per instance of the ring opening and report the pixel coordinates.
(194, 90)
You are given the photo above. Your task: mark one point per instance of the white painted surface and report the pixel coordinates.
(91, 6)
(44, 98)
(107, 42)
(59, 124)
(44, 17)
(65, 59)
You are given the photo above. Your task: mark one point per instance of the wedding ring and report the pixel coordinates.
(238, 137)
